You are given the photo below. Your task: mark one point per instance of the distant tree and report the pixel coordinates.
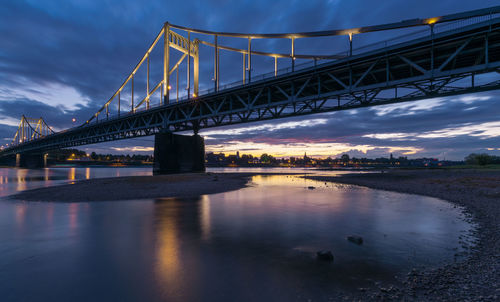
(480, 159)
(93, 155)
(266, 158)
(345, 158)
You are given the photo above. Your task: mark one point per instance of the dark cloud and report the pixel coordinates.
(87, 48)
(440, 123)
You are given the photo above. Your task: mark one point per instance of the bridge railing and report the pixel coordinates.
(419, 33)
(437, 28)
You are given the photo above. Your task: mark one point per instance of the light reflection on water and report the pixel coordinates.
(257, 243)
(15, 180)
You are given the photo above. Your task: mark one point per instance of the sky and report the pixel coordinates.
(64, 59)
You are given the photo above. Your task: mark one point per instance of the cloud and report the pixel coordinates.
(392, 136)
(133, 149)
(268, 127)
(53, 94)
(412, 108)
(63, 60)
(483, 131)
(312, 149)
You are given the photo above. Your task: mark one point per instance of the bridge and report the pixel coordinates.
(425, 58)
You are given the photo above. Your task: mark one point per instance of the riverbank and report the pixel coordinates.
(477, 277)
(139, 187)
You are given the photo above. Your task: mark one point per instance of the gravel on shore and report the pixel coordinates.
(477, 276)
(138, 187)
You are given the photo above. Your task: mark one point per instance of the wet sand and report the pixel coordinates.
(138, 187)
(477, 277)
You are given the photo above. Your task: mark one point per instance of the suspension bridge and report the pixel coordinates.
(425, 58)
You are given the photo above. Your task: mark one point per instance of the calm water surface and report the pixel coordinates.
(254, 244)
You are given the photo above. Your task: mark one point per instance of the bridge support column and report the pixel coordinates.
(178, 153)
(31, 160)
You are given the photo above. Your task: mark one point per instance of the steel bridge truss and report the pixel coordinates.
(464, 60)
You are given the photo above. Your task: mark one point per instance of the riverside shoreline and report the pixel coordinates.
(477, 276)
(138, 187)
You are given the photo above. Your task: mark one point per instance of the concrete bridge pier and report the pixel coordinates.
(31, 160)
(176, 153)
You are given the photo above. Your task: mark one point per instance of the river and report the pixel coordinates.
(254, 244)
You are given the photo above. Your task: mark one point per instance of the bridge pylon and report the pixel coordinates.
(31, 129)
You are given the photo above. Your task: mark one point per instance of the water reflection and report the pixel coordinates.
(254, 244)
(71, 174)
(50, 214)
(21, 181)
(20, 213)
(73, 215)
(13, 180)
(168, 249)
(179, 267)
(205, 218)
(266, 236)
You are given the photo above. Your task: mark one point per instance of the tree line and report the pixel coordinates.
(481, 159)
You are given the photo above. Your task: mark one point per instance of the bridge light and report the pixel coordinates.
(432, 20)
(169, 87)
(73, 120)
(194, 95)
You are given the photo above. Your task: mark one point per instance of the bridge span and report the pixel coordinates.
(445, 56)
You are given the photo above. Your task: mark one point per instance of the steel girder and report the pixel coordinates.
(451, 63)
